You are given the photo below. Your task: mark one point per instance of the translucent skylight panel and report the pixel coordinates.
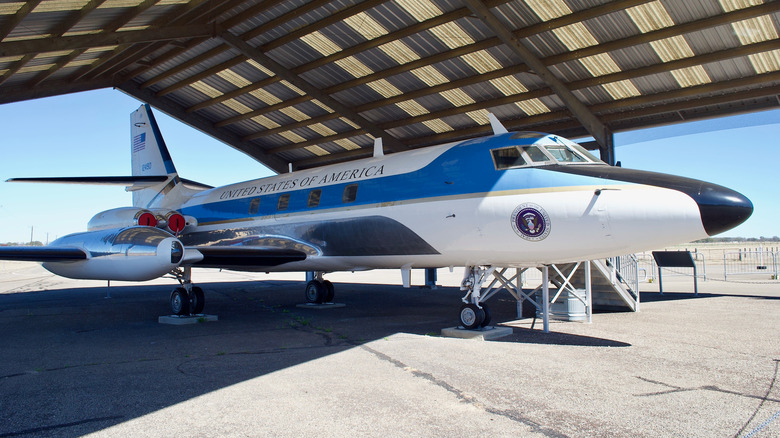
(438, 126)
(265, 96)
(365, 25)
(52, 54)
(650, 16)
(347, 144)
(733, 5)
(653, 16)
(265, 122)
(64, 5)
(384, 88)
(10, 8)
(322, 130)
(316, 150)
(766, 61)
(755, 30)
(577, 36)
(399, 51)
(258, 66)
(429, 75)
(481, 61)
(548, 9)
(206, 89)
(234, 78)
(533, 106)
(420, 10)
(452, 35)
(294, 114)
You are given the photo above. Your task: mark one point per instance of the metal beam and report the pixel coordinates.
(204, 125)
(251, 52)
(55, 44)
(595, 127)
(49, 89)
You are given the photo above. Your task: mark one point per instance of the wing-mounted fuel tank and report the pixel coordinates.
(169, 220)
(137, 253)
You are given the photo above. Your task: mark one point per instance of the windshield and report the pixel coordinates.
(559, 152)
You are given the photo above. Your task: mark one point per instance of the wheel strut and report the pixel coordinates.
(473, 313)
(186, 299)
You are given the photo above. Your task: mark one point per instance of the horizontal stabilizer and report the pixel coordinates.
(41, 253)
(232, 256)
(109, 180)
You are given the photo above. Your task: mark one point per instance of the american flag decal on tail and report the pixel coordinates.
(139, 142)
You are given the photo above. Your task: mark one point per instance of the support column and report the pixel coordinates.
(546, 298)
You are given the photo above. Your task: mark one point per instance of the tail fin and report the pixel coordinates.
(150, 157)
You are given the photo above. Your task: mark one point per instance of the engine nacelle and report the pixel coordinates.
(169, 220)
(128, 254)
(122, 217)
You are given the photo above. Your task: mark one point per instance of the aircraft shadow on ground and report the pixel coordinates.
(82, 362)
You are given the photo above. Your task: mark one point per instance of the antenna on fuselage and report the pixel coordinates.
(498, 127)
(378, 149)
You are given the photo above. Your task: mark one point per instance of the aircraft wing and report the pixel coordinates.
(41, 253)
(136, 181)
(235, 256)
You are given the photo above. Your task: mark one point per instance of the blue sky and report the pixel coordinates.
(87, 134)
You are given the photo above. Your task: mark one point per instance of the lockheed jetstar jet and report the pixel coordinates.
(512, 199)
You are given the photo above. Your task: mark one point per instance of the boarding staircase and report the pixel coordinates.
(614, 282)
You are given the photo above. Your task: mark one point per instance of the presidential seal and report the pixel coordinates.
(531, 222)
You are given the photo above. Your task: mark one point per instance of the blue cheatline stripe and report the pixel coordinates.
(460, 171)
(166, 156)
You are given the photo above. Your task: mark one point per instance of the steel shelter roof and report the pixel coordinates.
(313, 82)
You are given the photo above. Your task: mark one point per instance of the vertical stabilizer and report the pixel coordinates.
(150, 157)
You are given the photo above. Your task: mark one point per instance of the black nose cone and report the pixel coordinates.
(721, 209)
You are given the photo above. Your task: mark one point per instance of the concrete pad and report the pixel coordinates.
(184, 320)
(323, 306)
(483, 334)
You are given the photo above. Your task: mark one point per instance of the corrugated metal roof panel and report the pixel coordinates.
(223, 85)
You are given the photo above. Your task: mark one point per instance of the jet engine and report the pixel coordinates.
(130, 216)
(122, 217)
(129, 254)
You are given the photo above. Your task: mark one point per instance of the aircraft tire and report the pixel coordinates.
(330, 291)
(471, 316)
(180, 303)
(315, 292)
(488, 316)
(197, 300)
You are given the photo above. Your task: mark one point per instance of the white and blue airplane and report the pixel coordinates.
(512, 199)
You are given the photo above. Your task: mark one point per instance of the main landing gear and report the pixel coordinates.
(186, 299)
(319, 291)
(474, 314)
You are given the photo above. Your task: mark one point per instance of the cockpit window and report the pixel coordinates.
(541, 154)
(564, 154)
(536, 154)
(506, 158)
(585, 152)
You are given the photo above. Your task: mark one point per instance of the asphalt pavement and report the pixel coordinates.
(74, 362)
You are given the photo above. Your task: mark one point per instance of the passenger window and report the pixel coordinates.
(562, 153)
(254, 206)
(314, 198)
(350, 193)
(535, 154)
(284, 202)
(507, 158)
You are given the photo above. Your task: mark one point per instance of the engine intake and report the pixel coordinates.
(128, 254)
